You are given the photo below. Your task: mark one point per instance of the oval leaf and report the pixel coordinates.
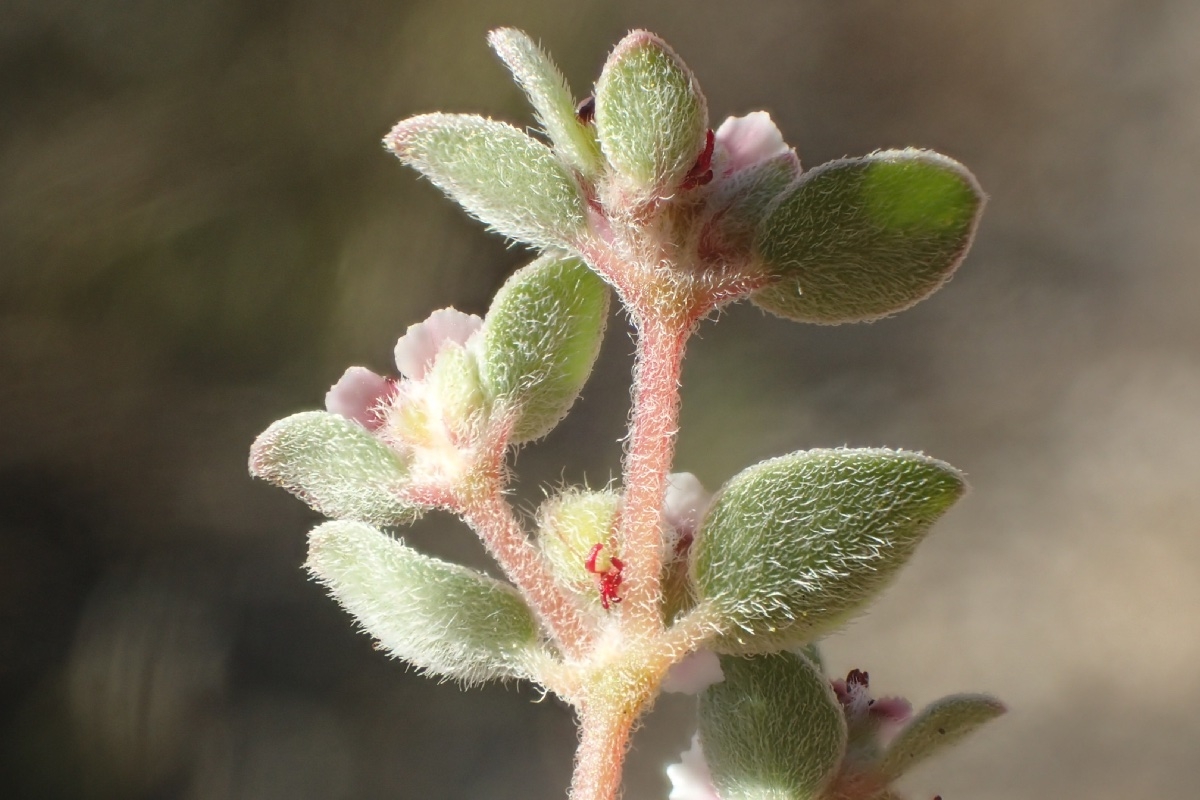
(442, 618)
(940, 725)
(793, 546)
(540, 340)
(336, 466)
(651, 117)
(550, 97)
(771, 729)
(514, 184)
(859, 239)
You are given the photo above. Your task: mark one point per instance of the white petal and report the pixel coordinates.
(691, 779)
(357, 395)
(695, 673)
(685, 503)
(420, 344)
(748, 140)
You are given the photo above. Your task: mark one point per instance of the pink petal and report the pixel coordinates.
(694, 673)
(420, 344)
(691, 778)
(748, 140)
(685, 503)
(357, 395)
(892, 709)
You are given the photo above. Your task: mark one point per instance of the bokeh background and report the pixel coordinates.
(199, 231)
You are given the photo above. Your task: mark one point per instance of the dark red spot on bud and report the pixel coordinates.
(858, 677)
(701, 172)
(586, 110)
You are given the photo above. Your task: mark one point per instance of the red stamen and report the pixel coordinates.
(593, 554)
(701, 173)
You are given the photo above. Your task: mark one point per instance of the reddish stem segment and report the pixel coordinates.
(660, 347)
(604, 739)
(492, 518)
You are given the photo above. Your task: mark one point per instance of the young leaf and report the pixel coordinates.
(859, 239)
(772, 729)
(550, 96)
(497, 173)
(940, 725)
(792, 546)
(442, 618)
(651, 117)
(336, 466)
(540, 339)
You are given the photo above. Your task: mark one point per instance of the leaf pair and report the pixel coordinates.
(774, 729)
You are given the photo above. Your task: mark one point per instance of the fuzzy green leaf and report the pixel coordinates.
(793, 546)
(651, 117)
(497, 173)
(772, 730)
(540, 340)
(550, 96)
(336, 466)
(859, 239)
(940, 725)
(443, 618)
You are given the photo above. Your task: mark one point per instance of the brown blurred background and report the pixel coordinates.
(199, 231)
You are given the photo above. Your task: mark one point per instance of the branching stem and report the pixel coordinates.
(491, 517)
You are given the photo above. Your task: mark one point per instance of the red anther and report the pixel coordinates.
(858, 677)
(610, 577)
(593, 554)
(701, 172)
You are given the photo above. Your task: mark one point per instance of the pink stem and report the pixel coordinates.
(492, 518)
(661, 342)
(604, 739)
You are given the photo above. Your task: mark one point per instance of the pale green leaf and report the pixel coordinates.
(772, 729)
(859, 239)
(442, 618)
(550, 96)
(336, 466)
(508, 180)
(940, 725)
(540, 340)
(651, 117)
(793, 546)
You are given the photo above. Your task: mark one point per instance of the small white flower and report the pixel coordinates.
(685, 504)
(418, 348)
(745, 141)
(691, 779)
(694, 673)
(359, 395)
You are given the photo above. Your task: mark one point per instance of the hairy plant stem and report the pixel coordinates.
(492, 518)
(651, 450)
(603, 740)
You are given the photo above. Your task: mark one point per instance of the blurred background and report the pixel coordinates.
(199, 231)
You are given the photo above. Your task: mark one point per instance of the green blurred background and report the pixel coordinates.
(199, 231)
